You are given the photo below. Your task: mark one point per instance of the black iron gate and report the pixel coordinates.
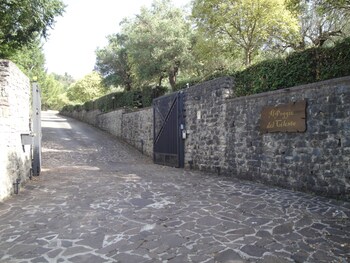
(169, 130)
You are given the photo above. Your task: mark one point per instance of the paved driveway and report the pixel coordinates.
(98, 200)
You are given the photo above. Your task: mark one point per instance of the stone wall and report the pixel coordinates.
(133, 127)
(111, 122)
(315, 161)
(137, 130)
(86, 116)
(14, 120)
(205, 147)
(223, 135)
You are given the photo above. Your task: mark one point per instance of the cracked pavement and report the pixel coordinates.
(99, 200)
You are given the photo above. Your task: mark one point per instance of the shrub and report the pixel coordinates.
(130, 99)
(311, 65)
(304, 67)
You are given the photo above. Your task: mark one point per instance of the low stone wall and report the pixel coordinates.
(133, 127)
(85, 116)
(111, 122)
(137, 130)
(14, 120)
(224, 135)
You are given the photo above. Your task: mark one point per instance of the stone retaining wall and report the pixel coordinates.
(111, 122)
(317, 160)
(224, 135)
(137, 130)
(205, 105)
(133, 127)
(14, 120)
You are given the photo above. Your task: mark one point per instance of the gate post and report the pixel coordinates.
(36, 118)
(181, 127)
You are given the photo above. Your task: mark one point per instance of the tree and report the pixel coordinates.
(52, 93)
(158, 42)
(66, 80)
(247, 25)
(320, 21)
(112, 63)
(31, 60)
(88, 88)
(324, 5)
(211, 56)
(23, 21)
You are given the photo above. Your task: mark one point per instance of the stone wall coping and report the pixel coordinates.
(108, 112)
(131, 110)
(125, 110)
(310, 86)
(219, 79)
(8, 63)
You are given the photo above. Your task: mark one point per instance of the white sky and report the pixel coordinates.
(82, 28)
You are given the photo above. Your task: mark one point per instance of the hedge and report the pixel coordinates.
(129, 99)
(296, 69)
(311, 65)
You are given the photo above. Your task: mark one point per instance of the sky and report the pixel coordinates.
(83, 28)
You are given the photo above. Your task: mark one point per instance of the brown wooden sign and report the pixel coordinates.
(289, 117)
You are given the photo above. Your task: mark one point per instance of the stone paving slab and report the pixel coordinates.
(98, 200)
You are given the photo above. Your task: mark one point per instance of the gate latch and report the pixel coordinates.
(184, 134)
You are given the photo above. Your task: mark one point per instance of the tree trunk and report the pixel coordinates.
(128, 86)
(128, 82)
(160, 81)
(172, 77)
(248, 57)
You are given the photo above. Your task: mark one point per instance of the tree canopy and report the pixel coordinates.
(112, 62)
(66, 80)
(247, 25)
(163, 44)
(30, 59)
(158, 42)
(320, 21)
(23, 21)
(88, 88)
(53, 94)
(152, 46)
